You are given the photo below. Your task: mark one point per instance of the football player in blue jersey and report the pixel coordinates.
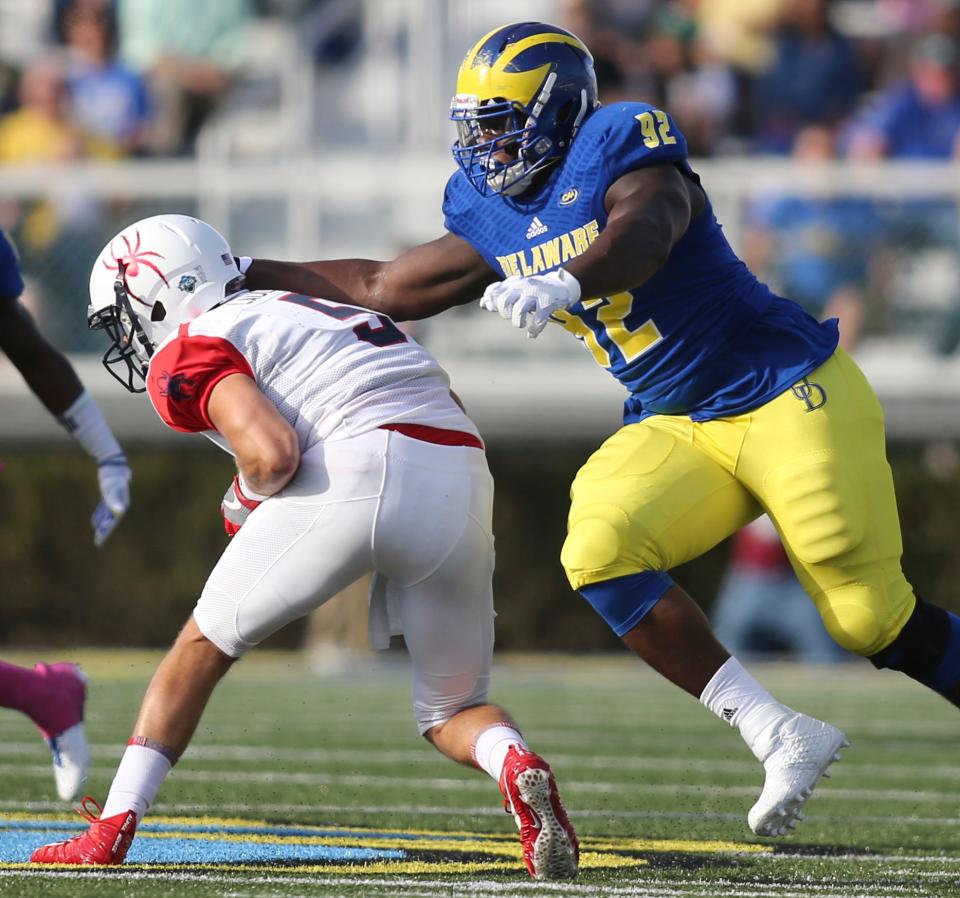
(53, 695)
(740, 403)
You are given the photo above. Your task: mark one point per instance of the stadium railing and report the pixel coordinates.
(904, 246)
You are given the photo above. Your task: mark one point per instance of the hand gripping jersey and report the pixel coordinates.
(702, 337)
(333, 371)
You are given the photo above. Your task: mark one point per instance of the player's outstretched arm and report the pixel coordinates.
(46, 371)
(54, 382)
(421, 282)
(648, 211)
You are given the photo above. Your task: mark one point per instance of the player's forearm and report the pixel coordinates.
(352, 281)
(50, 377)
(621, 258)
(269, 471)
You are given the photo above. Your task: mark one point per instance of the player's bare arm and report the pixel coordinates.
(53, 381)
(648, 210)
(265, 445)
(48, 374)
(421, 282)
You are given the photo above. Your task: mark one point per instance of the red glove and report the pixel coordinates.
(236, 507)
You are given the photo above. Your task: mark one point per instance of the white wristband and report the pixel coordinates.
(244, 263)
(86, 424)
(571, 283)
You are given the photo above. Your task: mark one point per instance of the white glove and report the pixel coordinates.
(113, 475)
(530, 301)
(86, 424)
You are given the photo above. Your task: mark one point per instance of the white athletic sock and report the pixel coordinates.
(492, 745)
(139, 776)
(736, 697)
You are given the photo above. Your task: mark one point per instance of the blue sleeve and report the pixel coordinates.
(11, 283)
(637, 135)
(449, 206)
(458, 200)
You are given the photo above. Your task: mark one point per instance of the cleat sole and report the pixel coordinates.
(554, 856)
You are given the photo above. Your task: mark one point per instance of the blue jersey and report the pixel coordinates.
(702, 337)
(11, 284)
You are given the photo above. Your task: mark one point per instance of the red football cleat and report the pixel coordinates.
(106, 842)
(550, 846)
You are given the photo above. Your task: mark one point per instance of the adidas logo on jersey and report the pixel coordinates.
(536, 228)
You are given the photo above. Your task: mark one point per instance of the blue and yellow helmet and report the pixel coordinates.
(522, 92)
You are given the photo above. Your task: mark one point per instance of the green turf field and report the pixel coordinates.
(310, 785)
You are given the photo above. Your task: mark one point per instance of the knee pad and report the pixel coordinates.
(927, 648)
(850, 616)
(596, 546)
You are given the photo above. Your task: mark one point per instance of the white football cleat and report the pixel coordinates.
(63, 714)
(71, 758)
(799, 753)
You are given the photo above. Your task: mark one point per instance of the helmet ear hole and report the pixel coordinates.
(563, 113)
(158, 312)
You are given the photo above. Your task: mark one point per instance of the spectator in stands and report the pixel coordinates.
(654, 53)
(919, 117)
(813, 78)
(41, 129)
(618, 60)
(738, 31)
(816, 250)
(56, 230)
(107, 99)
(689, 79)
(190, 53)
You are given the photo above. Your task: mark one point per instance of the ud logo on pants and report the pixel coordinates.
(811, 394)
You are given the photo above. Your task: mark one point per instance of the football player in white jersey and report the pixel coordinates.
(352, 457)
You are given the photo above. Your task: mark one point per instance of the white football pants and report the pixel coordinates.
(418, 515)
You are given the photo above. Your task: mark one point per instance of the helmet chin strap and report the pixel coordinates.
(124, 305)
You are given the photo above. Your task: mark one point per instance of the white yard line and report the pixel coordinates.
(398, 886)
(687, 763)
(445, 784)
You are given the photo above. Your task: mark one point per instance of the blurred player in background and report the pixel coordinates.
(52, 695)
(739, 401)
(353, 457)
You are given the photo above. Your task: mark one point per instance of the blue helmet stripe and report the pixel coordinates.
(538, 55)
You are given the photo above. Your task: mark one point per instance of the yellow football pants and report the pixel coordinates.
(665, 490)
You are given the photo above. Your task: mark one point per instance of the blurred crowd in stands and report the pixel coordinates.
(110, 78)
(752, 75)
(813, 79)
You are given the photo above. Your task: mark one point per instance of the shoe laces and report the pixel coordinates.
(85, 811)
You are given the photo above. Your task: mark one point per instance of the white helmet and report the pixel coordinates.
(154, 275)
